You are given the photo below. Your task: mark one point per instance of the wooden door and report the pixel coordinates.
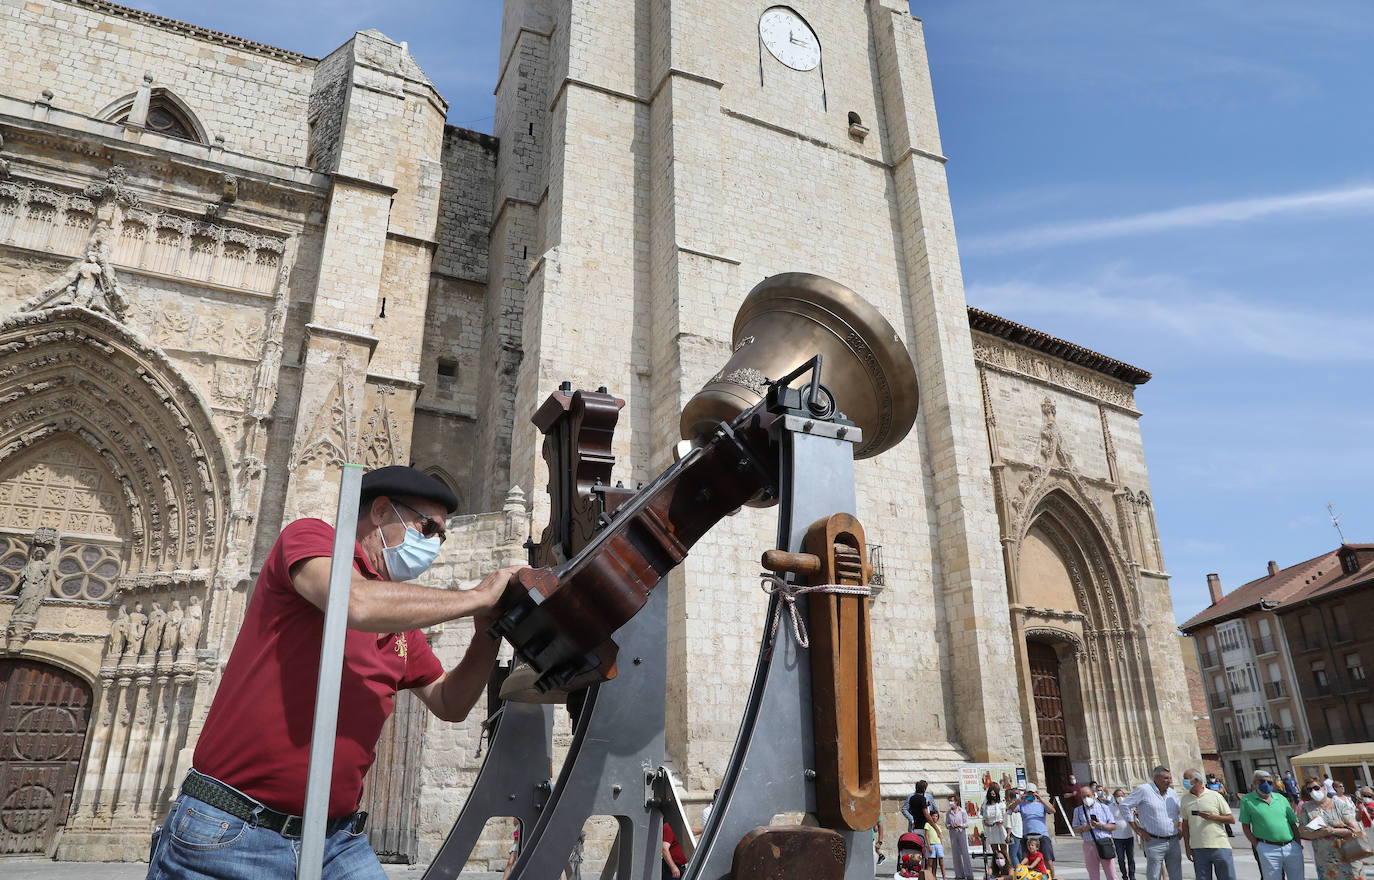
(43, 715)
(391, 794)
(1049, 704)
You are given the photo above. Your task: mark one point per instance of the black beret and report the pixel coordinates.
(397, 479)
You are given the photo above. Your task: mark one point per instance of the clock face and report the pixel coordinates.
(789, 38)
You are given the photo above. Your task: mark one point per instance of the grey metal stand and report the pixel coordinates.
(613, 763)
(770, 769)
(513, 781)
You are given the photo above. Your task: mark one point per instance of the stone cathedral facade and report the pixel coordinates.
(226, 268)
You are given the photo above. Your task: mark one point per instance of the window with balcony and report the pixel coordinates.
(1320, 683)
(1354, 669)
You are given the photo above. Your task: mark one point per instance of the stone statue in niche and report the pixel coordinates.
(189, 634)
(34, 587)
(138, 628)
(119, 632)
(169, 633)
(157, 621)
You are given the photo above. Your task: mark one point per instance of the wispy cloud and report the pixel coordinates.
(1169, 309)
(1355, 199)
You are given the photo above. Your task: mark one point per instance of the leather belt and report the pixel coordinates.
(1273, 842)
(1161, 837)
(235, 803)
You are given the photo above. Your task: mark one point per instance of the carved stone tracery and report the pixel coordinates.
(78, 374)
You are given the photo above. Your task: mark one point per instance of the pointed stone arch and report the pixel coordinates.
(166, 113)
(1079, 531)
(69, 374)
(1110, 672)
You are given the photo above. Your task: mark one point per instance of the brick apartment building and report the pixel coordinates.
(1283, 661)
(1331, 644)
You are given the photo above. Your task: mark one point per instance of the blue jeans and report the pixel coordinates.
(1209, 860)
(1016, 849)
(1125, 857)
(201, 842)
(1280, 862)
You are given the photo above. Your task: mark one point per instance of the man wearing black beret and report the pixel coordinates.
(238, 815)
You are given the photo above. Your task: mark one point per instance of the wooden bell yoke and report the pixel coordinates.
(561, 618)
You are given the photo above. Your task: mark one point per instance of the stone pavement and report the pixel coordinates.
(1069, 866)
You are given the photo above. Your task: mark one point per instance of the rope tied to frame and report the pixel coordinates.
(788, 594)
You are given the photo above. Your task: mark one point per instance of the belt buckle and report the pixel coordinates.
(291, 827)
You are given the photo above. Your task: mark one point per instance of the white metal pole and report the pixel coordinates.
(331, 673)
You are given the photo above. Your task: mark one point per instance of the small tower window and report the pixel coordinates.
(447, 377)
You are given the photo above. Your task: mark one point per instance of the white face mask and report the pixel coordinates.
(1089, 802)
(1317, 794)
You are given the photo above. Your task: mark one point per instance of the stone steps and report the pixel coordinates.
(937, 763)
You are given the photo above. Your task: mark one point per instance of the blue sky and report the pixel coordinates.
(1186, 186)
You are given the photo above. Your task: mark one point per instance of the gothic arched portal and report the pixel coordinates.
(1073, 591)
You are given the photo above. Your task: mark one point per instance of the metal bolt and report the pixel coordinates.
(512, 797)
(639, 660)
(809, 774)
(615, 790)
(808, 425)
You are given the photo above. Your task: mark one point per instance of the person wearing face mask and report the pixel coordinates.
(1094, 822)
(239, 812)
(1123, 835)
(1271, 826)
(956, 823)
(1205, 817)
(1336, 824)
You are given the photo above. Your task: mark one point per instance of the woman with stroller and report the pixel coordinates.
(995, 821)
(956, 823)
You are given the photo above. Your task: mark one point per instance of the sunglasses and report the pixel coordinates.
(429, 526)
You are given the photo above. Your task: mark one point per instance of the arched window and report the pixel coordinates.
(167, 114)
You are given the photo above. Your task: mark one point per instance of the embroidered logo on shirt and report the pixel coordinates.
(400, 645)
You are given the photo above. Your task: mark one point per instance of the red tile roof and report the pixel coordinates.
(1337, 580)
(1275, 589)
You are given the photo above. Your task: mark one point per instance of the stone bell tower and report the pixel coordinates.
(658, 158)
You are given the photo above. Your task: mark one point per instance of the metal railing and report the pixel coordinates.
(1265, 645)
(875, 559)
(1276, 690)
(1216, 701)
(1226, 743)
(1209, 658)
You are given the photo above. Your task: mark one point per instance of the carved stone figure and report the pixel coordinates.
(138, 628)
(190, 628)
(170, 632)
(89, 283)
(119, 631)
(157, 621)
(33, 589)
(33, 583)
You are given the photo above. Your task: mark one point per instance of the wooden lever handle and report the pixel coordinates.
(778, 561)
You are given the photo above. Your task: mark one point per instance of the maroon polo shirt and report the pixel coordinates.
(257, 735)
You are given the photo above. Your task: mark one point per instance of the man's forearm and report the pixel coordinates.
(387, 606)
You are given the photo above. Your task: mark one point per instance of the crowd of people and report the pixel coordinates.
(1197, 824)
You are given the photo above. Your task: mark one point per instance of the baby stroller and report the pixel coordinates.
(911, 855)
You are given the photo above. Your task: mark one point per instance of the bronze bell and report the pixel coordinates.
(788, 319)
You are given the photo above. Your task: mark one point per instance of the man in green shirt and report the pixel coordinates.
(1271, 825)
(1205, 817)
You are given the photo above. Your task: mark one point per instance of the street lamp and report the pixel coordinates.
(1270, 732)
